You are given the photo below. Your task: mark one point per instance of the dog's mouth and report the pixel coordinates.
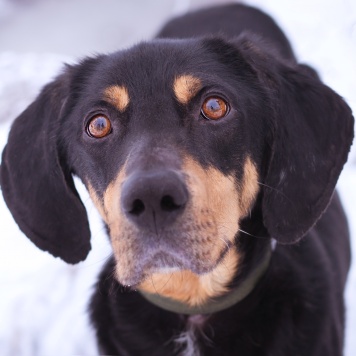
(166, 262)
(186, 279)
(147, 256)
(144, 268)
(161, 263)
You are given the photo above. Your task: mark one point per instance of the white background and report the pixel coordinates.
(43, 301)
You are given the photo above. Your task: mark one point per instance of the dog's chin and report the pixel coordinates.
(160, 263)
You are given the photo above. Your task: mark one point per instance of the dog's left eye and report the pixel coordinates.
(99, 126)
(214, 108)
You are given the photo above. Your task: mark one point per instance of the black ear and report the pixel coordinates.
(311, 131)
(312, 135)
(36, 182)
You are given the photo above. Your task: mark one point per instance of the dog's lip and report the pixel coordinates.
(167, 270)
(165, 262)
(158, 262)
(163, 256)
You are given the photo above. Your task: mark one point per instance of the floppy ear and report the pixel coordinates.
(312, 135)
(36, 182)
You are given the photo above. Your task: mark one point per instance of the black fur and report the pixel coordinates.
(296, 130)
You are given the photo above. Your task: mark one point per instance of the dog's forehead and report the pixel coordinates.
(156, 65)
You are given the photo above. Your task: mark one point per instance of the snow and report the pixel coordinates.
(43, 301)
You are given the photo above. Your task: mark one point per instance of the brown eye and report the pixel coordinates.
(214, 108)
(99, 126)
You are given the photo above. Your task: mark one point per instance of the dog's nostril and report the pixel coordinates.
(137, 207)
(168, 204)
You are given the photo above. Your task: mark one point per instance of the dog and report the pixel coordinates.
(212, 157)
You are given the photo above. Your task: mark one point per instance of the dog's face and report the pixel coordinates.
(164, 143)
(175, 141)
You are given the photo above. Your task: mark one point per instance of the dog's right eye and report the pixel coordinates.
(99, 126)
(214, 108)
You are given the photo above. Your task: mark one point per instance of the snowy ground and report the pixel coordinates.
(43, 301)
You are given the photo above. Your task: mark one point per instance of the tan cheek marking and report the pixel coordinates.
(127, 248)
(250, 186)
(215, 203)
(120, 231)
(117, 96)
(107, 207)
(187, 287)
(96, 200)
(216, 192)
(112, 198)
(186, 87)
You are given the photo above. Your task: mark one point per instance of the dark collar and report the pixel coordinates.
(215, 305)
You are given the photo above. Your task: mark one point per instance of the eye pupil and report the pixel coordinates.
(213, 105)
(214, 108)
(99, 126)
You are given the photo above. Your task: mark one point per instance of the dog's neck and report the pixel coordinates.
(225, 301)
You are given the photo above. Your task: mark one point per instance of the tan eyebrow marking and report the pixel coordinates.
(186, 87)
(118, 96)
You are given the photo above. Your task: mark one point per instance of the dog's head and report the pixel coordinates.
(175, 142)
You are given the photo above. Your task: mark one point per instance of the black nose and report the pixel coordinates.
(153, 199)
